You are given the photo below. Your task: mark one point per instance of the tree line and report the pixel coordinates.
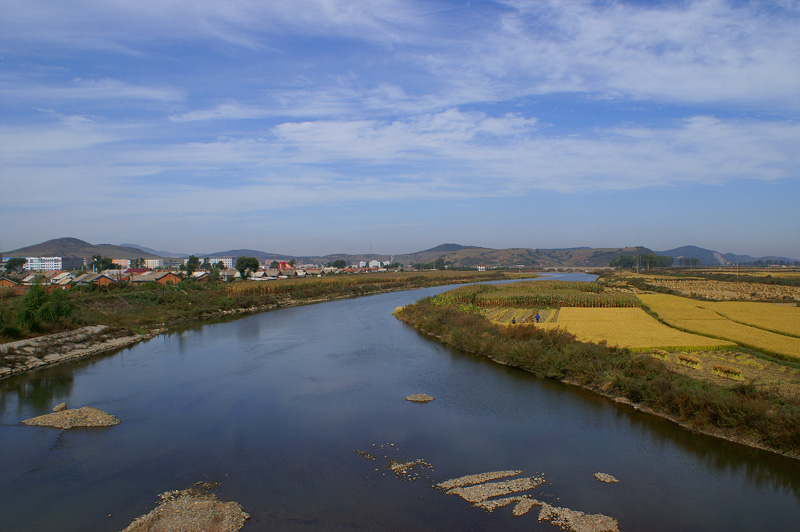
(645, 261)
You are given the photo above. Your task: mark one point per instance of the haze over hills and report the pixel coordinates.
(74, 247)
(715, 258)
(456, 254)
(156, 252)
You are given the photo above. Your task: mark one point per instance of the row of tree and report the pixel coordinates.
(438, 264)
(645, 261)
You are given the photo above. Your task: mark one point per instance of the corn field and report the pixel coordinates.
(539, 294)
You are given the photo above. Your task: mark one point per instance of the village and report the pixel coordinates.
(67, 272)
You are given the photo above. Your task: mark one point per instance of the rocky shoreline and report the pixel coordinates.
(42, 351)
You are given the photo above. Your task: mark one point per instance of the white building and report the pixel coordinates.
(42, 264)
(154, 264)
(226, 261)
(375, 264)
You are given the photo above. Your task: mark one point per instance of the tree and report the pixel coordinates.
(292, 263)
(338, 263)
(691, 262)
(246, 265)
(273, 265)
(100, 263)
(219, 265)
(206, 264)
(15, 264)
(137, 263)
(192, 264)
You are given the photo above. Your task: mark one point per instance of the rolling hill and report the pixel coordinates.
(455, 254)
(74, 247)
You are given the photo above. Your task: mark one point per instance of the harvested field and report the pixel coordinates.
(725, 290)
(503, 316)
(698, 317)
(732, 368)
(628, 327)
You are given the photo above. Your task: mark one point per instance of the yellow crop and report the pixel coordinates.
(627, 327)
(772, 316)
(700, 317)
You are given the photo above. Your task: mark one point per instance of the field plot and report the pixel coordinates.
(503, 316)
(783, 319)
(698, 317)
(731, 368)
(539, 294)
(727, 290)
(628, 327)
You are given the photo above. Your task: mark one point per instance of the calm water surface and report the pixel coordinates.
(274, 406)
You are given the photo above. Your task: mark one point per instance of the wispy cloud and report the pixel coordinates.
(179, 107)
(87, 89)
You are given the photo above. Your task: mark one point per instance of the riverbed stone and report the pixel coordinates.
(419, 398)
(72, 418)
(190, 510)
(59, 407)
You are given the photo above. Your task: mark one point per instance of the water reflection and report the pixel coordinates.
(275, 404)
(762, 469)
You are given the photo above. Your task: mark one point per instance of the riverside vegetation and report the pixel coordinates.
(152, 306)
(670, 383)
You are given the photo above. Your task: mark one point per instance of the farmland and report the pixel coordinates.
(628, 327)
(728, 290)
(541, 294)
(700, 317)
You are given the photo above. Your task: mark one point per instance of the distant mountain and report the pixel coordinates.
(707, 256)
(445, 248)
(155, 252)
(454, 254)
(715, 258)
(470, 256)
(73, 247)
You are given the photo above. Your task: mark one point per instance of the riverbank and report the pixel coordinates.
(743, 414)
(105, 320)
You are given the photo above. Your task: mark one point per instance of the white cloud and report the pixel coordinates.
(87, 89)
(449, 155)
(120, 24)
(695, 51)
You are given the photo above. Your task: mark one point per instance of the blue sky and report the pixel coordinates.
(324, 126)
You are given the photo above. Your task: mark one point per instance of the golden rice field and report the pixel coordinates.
(784, 319)
(628, 327)
(699, 317)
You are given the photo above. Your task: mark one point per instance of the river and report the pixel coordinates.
(274, 406)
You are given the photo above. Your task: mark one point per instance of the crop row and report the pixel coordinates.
(542, 294)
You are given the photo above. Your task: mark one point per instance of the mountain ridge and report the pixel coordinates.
(455, 254)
